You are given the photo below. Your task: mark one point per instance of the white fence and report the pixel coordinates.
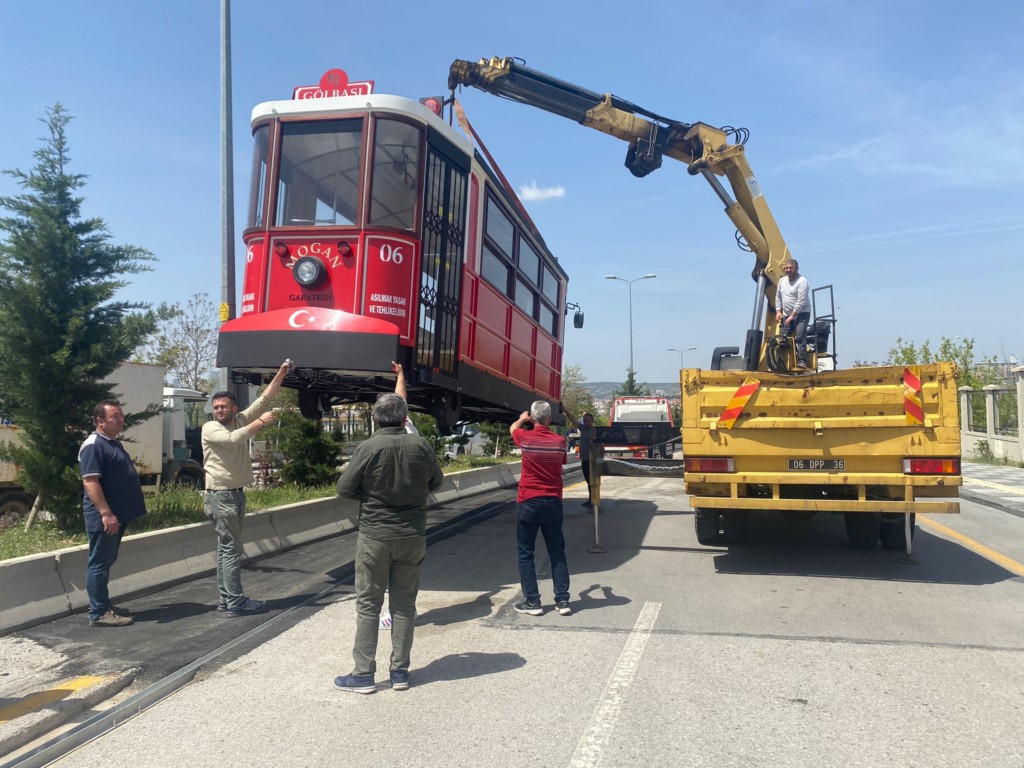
(991, 426)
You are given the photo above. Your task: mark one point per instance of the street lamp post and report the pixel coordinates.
(630, 284)
(682, 353)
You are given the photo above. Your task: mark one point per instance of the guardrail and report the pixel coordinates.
(39, 588)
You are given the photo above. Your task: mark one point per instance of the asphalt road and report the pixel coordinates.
(790, 651)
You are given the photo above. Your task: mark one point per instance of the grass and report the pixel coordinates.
(172, 506)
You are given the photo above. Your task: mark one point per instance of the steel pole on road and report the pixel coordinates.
(630, 284)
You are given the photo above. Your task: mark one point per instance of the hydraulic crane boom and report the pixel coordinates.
(704, 149)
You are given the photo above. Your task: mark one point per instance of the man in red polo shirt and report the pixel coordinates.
(540, 507)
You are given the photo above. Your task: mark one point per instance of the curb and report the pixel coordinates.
(54, 704)
(987, 501)
(39, 588)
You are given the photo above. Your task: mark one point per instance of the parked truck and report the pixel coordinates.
(653, 415)
(760, 433)
(163, 448)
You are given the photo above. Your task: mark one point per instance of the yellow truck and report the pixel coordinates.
(774, 427)
(876, 444)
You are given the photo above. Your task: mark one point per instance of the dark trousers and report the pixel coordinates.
(103, 549)
(798, 330)
(542, 514)
(391, 566)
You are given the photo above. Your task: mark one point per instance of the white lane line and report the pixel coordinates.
(592, 743)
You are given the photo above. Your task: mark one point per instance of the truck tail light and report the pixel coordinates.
(931, 466)
(709, 465)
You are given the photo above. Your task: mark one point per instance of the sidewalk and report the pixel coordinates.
(996, 486)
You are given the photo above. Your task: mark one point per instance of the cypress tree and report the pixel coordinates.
(62, 328)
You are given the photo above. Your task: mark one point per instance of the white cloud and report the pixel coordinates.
(531, 192)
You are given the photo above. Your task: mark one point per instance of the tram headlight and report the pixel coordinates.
(309, 272)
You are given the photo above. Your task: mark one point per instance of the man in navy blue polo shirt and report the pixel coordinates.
(112, 499)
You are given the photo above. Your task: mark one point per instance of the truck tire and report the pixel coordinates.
(706, 524)
(15, 505)
(862, 529)
(735, 523)
(893, 533)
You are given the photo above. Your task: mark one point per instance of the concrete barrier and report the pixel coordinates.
(301, 523)
(38, 588)
(31, 592)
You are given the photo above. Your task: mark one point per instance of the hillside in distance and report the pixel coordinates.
(602, 390)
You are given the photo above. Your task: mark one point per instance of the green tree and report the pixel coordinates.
(630, 388)
(63, 330)
(973, 373)
(576, 398)
(310, 454)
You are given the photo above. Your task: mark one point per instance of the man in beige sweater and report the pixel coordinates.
(228, 470)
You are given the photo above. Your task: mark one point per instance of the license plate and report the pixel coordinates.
(817, 465)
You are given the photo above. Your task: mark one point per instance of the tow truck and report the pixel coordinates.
(877, 444)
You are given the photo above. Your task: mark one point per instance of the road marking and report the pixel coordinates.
(38, 701)
(1006, 562)
(592, 743)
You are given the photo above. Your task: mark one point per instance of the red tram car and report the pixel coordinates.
(377, 233)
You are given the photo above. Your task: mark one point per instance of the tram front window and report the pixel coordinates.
(318, 180)
(396, 168)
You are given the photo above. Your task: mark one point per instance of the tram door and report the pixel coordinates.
(443, 245)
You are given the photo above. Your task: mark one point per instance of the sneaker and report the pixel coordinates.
(222, 606)
(356, 683)
(111, 619)
(400, 680)
(563, 607)
(120, 611)
(385, 620)
(588, 503)
(534, 609)
(248, 607)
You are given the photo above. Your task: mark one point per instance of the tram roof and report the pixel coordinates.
(344, 105)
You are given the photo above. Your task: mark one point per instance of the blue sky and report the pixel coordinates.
(888, 138)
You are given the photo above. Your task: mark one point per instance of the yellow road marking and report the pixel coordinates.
(36, 701)
(1006, 562)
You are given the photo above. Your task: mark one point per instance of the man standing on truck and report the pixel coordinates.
(112, 499)
(793, 309)
(540, 507)
(228, 470)
(391, 474)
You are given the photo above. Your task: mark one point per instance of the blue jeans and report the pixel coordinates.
(103, 549)
(544, 514)
(798, 329)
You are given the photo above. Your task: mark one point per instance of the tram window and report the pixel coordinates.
(549, 320)
(257, 195)
(529, 261)
(500, 229)
(550, 286)
(494, 270)
(396, 165)
(319, 173)
(525, 298)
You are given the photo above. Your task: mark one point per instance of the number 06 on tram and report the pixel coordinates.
(376, 233)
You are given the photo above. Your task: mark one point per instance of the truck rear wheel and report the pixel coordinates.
(893, 533)
(706, 524)
(15, 505)
(862, 529)
(735, 523)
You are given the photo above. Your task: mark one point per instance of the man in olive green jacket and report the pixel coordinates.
(391, 474)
